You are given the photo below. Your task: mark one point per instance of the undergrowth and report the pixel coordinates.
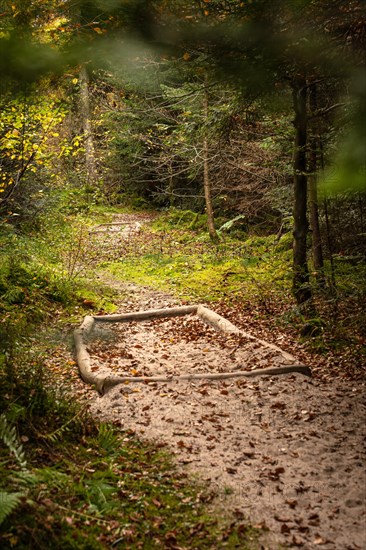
(68, 482)
(186, 262)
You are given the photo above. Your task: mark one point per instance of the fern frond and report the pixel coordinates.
(99, 495)
(8, 503)
(107, 438)
(52, 477)
(228, 225)
(9, 437)
(26, 478)
(58, 434)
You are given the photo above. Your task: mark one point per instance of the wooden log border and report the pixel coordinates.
(103, 382)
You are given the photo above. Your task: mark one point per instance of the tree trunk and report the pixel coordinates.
(313, 194)
(87, 128)
(206, 177)
(327, 225)
(301, 282)
(171, 184)
(330, 245)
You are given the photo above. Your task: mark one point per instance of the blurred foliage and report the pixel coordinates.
(258, 45)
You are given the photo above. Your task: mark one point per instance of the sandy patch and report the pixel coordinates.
(285, 451)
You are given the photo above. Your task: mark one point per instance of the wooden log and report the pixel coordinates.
(266, 344)
(220, 323)
(131, 226)
(104, 381)
(82, 358)
(82, 355)
(111, 381)
(87, 325)
(145, 315)
(113, 223)
(216, 321)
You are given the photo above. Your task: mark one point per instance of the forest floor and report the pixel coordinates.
(287, 452)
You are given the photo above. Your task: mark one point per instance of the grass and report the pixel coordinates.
(189, 265)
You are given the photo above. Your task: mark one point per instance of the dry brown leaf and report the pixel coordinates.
(319, 541)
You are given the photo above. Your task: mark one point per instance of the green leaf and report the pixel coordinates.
(8, 503)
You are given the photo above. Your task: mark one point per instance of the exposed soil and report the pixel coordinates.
(287, 451)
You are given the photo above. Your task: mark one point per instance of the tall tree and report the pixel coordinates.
(265, 43)
(206, 169)
(85, 113)
(314, 146)
(301, 281)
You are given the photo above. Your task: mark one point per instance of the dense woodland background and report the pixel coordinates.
(240, 122)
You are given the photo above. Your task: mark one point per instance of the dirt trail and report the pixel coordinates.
(287, 451)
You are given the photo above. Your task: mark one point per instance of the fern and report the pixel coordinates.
(107, 438)
(27, 478)
(9, 437)
(228, 225)
(58, 434)
(8, 503)
(53, 478)
(99, 496)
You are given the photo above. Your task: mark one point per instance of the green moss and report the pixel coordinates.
(190, 266)
(182, 219)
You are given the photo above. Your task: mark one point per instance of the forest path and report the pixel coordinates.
(287, 452)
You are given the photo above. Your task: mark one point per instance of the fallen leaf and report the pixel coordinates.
(157, 503)
(249, 454)
(292, 503)
(319, 541)
(281, 518)
(297, 541)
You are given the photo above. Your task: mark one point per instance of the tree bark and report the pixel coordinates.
(87, 128)
(316, 239)
(301, 283)
(206, 176)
